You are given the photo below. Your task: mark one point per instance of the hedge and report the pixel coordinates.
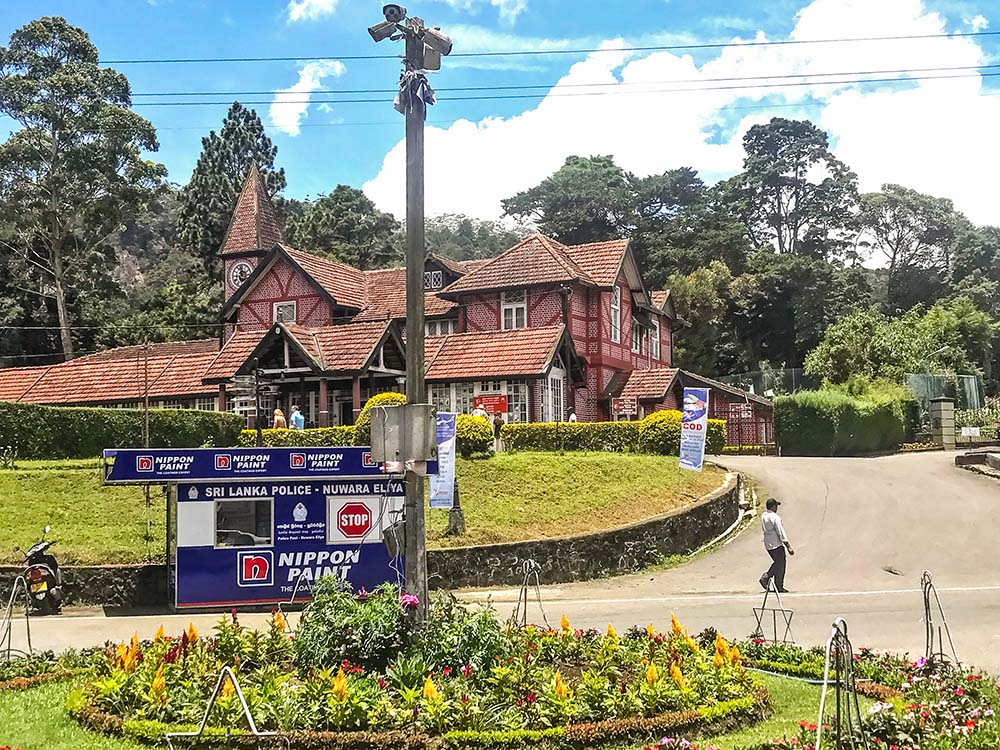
(363, 424)
(659, 433)
(37, 432)
(473, 435)
(316, 437)
(832, 423)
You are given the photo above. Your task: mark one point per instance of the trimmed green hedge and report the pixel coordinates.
(832, 423)
(473, 435)
(315, 438)
(659, 433)
(363, 424)
(38, 432)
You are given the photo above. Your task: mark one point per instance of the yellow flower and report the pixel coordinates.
(675, 625)
(651, 675)
(735, 657)
(127, 656)
(565, 624)
(159, 687)
(430, 690)
(612, 633)
(691, 642)
(340, 685)
(192, 632)
(228, 688)
(721, 647)
(279, 621)
(159, 635)
(562, 691)
(135, 642)
(717, 660)
(675, 673)
(650, 631)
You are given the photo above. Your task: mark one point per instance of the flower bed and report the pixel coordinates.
(42, 667)
(356, 674)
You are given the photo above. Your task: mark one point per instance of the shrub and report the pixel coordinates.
(659, 433)
(363, 424)
(323, 436)
(473, 435)
(38, 432)
(834, 423)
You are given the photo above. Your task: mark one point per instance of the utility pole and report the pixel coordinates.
(423, 50)
(256, 402)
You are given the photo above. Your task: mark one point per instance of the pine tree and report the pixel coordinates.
(207, 201)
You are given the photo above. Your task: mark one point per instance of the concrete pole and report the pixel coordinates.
(415, 548)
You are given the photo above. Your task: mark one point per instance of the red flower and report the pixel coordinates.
(812, 727)
(530, 698)
(803, 723)
(970, 724)
(466, 670)
(446, 671)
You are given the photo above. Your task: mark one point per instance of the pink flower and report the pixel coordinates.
(409, 601)
(466, 670)
(959, 691)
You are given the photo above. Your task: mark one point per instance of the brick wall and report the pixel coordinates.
(482, 312)
(282, 283)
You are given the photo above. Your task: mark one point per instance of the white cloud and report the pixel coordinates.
(509, 9)
(979, 23)
(291, 105)
(310, 10)
(933, 136)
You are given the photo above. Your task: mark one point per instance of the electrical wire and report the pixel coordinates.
(571, 51)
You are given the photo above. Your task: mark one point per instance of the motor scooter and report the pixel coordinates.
(43, 576)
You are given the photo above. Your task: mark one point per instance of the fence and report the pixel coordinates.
(769, 383)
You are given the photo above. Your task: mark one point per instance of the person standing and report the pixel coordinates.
(498, 424)
(298, 419)
(775, 542)
(278, 421)
(572, 415)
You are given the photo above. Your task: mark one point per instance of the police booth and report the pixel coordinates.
(250, 526)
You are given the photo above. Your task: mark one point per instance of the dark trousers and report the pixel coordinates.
(777, 569)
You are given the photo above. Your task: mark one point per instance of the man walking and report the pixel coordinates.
(775, 542)
(298, 419)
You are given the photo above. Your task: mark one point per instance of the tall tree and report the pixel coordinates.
(794, 194)
(207, 201)
(913, 233)
(464, 238)
(74, 171)
(346, 225)
(582, 202)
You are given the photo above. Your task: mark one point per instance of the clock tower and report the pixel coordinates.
(253, 231)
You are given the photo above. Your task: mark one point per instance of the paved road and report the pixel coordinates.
(863, 531)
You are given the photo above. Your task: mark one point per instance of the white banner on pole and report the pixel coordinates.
(694, 428)
(443, 483)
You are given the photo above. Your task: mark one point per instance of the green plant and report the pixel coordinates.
(363, 424)
(83, 432)
(473, 435)
(322, 436)
(660, 433)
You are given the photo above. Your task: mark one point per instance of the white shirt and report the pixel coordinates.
(774, 532)
(572, 416)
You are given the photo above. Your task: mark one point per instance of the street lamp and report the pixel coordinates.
(424, 48)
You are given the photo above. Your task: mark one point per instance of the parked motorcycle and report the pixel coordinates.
(43, 576)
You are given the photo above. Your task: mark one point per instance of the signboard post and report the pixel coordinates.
(490, 404)
(443, 483)
(624, 407)
(694, 428)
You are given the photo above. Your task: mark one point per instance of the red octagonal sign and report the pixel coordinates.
(354, 520)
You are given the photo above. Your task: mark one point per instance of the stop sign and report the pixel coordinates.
(354, 520)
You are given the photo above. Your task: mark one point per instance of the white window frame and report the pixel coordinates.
(636, 337)
(654, 341)
(517, 401)
(440, 327)
(507, 302)
(616, 314)
(276, 305)
(433, 280)
(553, 386)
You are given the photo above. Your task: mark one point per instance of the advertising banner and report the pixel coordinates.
(490, 404)
(443, 483)
(694, 428)
(162, 465)
(243, 543)
(624, 407)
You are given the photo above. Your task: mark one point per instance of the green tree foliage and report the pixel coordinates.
(346, 226)
(74, 172)
(465, 238)
(207, 201)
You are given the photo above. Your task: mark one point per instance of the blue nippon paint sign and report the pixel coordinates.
(162, 465)
(241, 543)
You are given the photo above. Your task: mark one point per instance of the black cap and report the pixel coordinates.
(772, 503)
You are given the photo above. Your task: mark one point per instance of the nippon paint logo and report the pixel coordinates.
(297, 460)
(367, 461)
(144, 464)
(223, 462)
(255, 568)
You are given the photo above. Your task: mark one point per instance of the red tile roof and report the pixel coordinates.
(659, 298)
(255, 222)
(455, 266)
(233, 355)
(600, 260)
(14, 381)
(345, 284)
(162, 349)
(650, 384)
(341, 348)
(387, 297)
(534, 260)
(484, 355)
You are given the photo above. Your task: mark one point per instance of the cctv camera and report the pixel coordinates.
(394, 13)
(382, 30)
(437, 41)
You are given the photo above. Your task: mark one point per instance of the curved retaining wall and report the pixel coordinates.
(561, 559)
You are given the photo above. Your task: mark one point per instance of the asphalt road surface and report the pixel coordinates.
(863, 531)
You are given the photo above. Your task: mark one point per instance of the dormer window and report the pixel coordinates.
(284, 312)
(654, 341)
(636, 336)
(433, 280)
(616, 314)
(513, 310)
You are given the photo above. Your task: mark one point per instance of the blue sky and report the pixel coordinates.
(482, 151)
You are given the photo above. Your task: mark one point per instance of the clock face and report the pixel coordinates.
(239, 273)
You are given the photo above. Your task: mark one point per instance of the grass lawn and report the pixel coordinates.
(510, 497)
(529, 495)
(37, 718)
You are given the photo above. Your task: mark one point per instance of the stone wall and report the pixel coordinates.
(586, 556)
(562, 559)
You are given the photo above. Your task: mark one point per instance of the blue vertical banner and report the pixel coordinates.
(694, 428)
(443, 483)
